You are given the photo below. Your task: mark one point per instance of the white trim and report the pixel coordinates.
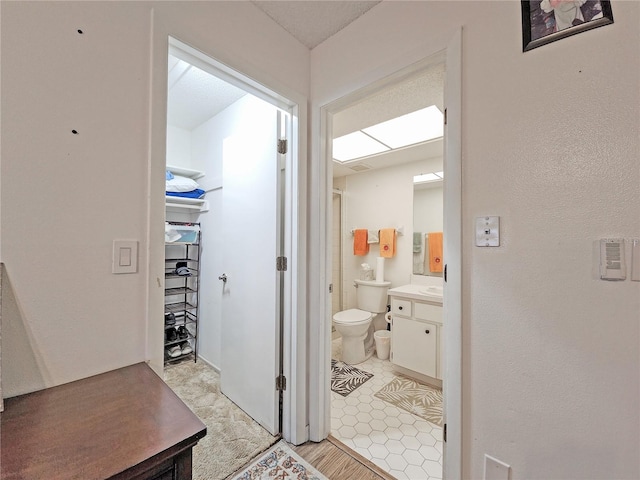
(320, 351)
(295, 365)
(452, 304)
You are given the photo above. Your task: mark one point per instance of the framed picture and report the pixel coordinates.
(545, 21)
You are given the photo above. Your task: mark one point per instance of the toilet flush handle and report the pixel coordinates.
(223, 277)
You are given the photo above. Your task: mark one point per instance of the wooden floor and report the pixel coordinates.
(338, 462)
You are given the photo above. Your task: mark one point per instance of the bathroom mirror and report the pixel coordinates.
(428, 215)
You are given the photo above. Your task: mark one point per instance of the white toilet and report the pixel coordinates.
(356, 324)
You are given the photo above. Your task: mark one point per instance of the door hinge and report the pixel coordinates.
(444, 432)
(445, 116)
(281, 383)
(281, 264)
(282, 146)
(331, 288)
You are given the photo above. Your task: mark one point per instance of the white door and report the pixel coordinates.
(250, 331)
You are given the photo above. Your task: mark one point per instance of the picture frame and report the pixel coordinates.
(545, 21)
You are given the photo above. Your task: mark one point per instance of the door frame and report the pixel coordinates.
(294, 293)
(320, 356)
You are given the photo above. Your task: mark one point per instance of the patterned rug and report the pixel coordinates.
(346, 378)
(414, 397)
(282, 463)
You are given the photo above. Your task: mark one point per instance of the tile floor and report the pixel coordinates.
(401, 443)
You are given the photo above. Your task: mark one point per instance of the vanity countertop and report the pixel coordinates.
(431, 294)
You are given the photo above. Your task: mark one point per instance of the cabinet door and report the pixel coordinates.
(415, 345)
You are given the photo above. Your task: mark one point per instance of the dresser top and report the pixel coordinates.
(94, 428)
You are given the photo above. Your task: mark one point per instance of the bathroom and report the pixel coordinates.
(383, 191)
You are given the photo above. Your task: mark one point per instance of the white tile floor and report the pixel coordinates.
(401, 443)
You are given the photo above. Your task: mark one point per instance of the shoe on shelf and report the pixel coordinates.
(182, 332)
(174, 351)
(169, 318)
(185, 348)
(171, 335)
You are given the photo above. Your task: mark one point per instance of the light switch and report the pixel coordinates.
(125, 256)
(487, 231)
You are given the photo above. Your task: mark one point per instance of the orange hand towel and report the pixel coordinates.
(435, 252)
(388, 242)
(360, 244)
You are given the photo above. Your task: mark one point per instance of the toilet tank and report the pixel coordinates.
(372, 296)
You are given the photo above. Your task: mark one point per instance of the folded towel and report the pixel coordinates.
(425, 255)
(417, 242)
(388, 242)
(435, 252)
(373, 236)
(418, 263)
(360, 245)
(197, 193)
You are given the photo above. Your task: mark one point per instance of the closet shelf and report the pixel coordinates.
(170, 273)
(185, 172)
(178, 291)
(178, 307)
(181, 204)
(181, 259)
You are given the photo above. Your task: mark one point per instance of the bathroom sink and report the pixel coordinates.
(431, 291)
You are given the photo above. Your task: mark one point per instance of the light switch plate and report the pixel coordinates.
(125, 256)
(487, 231)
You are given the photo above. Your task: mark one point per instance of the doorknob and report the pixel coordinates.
(223, 277)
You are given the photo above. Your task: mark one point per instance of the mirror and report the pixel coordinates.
(428, 217)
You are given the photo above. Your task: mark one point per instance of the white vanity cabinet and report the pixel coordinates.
(416, 334)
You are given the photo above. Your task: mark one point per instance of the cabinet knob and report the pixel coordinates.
(399, 308)
(427, 332)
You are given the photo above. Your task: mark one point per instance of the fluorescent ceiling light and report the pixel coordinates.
(426, 177)
(419, 126)
(356, 145)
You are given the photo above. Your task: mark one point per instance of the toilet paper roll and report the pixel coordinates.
(387, 317)
(380, 270)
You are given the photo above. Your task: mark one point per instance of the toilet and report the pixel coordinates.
(356, 324)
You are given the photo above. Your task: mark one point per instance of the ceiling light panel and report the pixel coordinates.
(356, 145)
(426, 177)
(419, 126)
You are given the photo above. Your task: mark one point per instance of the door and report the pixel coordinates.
(251, 218)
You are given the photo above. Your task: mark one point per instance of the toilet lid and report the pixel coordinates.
(352, 316)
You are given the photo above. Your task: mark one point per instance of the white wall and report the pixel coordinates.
(376, 199)
(551, 365)
(178, 147)
(66, 197)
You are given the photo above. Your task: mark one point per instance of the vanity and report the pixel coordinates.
(417, 332)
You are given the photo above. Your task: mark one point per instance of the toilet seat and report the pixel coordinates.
(353, 316)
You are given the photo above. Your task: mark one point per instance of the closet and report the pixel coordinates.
(201, 115)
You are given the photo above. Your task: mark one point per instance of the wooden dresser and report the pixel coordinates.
(123, 424)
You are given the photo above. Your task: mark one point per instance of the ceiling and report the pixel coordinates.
(312, 22)
(195, 95)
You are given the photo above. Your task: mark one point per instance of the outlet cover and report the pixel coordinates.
(494, 469)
